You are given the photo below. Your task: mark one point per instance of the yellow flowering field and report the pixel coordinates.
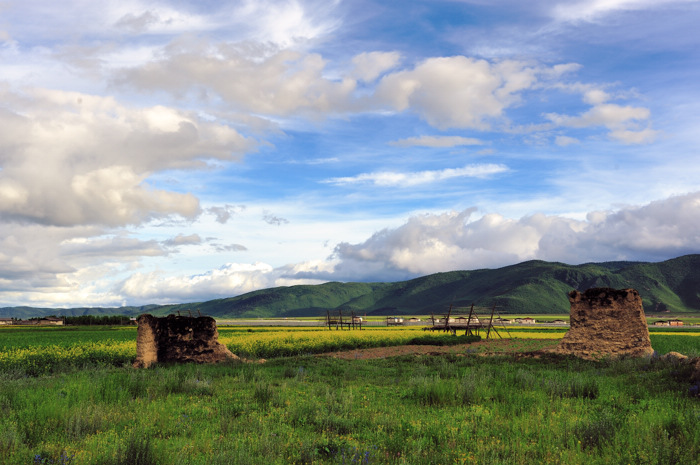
(61, 347)
(300, 341)
(46, 351)
(43, 359)
(66, 347)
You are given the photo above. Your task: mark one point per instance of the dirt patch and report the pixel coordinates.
(491, 347)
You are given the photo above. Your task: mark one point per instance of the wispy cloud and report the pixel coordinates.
(225, 212)
(272, 219)
(436, 141)
(182, 239)
(591, 10)
(230, 248)
(397, 179)
(563, 141)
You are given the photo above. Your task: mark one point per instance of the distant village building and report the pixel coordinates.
(48, 321)
(675, 322)
(558, 322)
(662, 323)
(463, 320)
(414, 320)
(525, 321)
(394, 321)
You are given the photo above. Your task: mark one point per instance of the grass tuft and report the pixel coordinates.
(137, 450)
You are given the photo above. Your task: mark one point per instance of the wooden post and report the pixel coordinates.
(488, 331)
(447, 319)
(469, 320)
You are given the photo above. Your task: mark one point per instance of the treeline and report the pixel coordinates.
(107, 320)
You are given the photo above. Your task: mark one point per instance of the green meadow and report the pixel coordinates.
(457, 408)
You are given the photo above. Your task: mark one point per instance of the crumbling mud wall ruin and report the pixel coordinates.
(178, 339)
(606, 322)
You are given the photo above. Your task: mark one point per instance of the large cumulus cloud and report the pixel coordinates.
(459, 240)
(68, 158)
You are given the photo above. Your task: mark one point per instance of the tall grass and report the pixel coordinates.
(418, 410)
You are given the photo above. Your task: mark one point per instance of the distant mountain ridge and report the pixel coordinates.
(533, 287)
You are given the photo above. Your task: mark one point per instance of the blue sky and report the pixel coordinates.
(174, 151)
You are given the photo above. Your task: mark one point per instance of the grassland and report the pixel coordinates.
(301, 408)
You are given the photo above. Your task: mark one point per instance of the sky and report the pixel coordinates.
(180, 151)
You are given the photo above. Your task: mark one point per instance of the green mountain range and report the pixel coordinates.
(532, 287)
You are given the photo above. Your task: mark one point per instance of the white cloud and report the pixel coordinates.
(153, 17)
(283, 83)
(229, 247)
(604, 114)
(111, 247)
(287, 23)
(29, 255)
(69, 158)
(182, 239)
(369, 66)
(450, 241)
(228, 280)
(137, 22)
(627, 124)
(57, 265)
(283, 23)
(592, 10)
(396, 179)
(47, 266)
(629, 136)
(270, 218)
(436, 141)
(447, 92)
(457, 92)
(563, 141)
(226, 212)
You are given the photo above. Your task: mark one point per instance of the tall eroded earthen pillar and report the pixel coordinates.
(178, 339)
(606, 322)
